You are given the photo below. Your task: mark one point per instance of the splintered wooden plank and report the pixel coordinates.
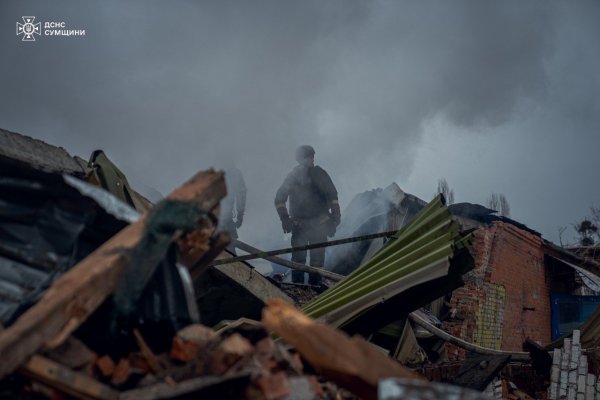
(73, 297)
(66, 380)
(348, 361)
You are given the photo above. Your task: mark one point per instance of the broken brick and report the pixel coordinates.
(229, 352)
(105, 365)
(274, 386)
(190, 341)
(297, 361)
(121, 372)
(139, 362)
(317, 388)
(264, 350)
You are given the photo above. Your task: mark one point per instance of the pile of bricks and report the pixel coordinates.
(570, 378)
(198, 351)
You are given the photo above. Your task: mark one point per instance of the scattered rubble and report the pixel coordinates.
(106, 296)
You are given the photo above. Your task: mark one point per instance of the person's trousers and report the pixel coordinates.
(303, 234)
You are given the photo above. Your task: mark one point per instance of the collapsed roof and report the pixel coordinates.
(76, 263)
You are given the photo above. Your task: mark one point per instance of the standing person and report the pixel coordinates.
(314, 210)
(233, 205)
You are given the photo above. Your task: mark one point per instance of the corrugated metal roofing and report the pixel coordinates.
(419, 253)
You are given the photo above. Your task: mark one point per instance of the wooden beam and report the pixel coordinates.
(350, 362)
(199, 266)
(74, 296)
(147, 352)
(290, 264)
(66, 380)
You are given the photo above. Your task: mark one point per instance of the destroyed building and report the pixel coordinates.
(522, 287)
(105, 295)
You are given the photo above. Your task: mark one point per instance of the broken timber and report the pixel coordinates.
(73, 297)
(66, 380)
(290, 264)
(350, 362)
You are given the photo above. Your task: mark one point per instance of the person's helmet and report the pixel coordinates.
(304, 152)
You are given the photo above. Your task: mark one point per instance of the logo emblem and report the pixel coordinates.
(28, 28)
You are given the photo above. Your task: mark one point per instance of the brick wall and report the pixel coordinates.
(519, 267)
(506, 298)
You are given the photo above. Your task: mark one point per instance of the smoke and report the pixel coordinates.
(167, 89)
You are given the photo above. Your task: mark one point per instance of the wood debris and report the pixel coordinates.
(349, 361)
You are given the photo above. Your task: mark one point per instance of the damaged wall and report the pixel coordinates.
(506, 298)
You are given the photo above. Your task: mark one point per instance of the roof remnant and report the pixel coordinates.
(25, 151)
(46, 226)
(420, 252)
(232, 291)
(76, 294)
(568, 256)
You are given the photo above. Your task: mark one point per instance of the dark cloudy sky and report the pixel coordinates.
(495, 96)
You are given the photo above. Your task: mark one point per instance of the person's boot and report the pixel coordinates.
(298, 276)
(314, 279)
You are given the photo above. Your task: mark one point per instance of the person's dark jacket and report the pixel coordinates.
(310, 191)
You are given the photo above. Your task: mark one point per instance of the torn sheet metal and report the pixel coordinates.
(49, 222)
(104, 199)
(20, 285)
(46, 227)
(408, 351)
(189, 293)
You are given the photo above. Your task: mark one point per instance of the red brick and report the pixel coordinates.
(105, 365)
(512, 258)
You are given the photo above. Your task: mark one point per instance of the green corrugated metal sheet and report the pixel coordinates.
(420, 252)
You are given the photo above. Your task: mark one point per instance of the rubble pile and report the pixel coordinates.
(104, 295)
(100, 296)
(241, 361)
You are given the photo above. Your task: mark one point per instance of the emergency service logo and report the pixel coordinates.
(28, 29)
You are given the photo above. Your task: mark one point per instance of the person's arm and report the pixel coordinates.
(331, 194)
(280, 199)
